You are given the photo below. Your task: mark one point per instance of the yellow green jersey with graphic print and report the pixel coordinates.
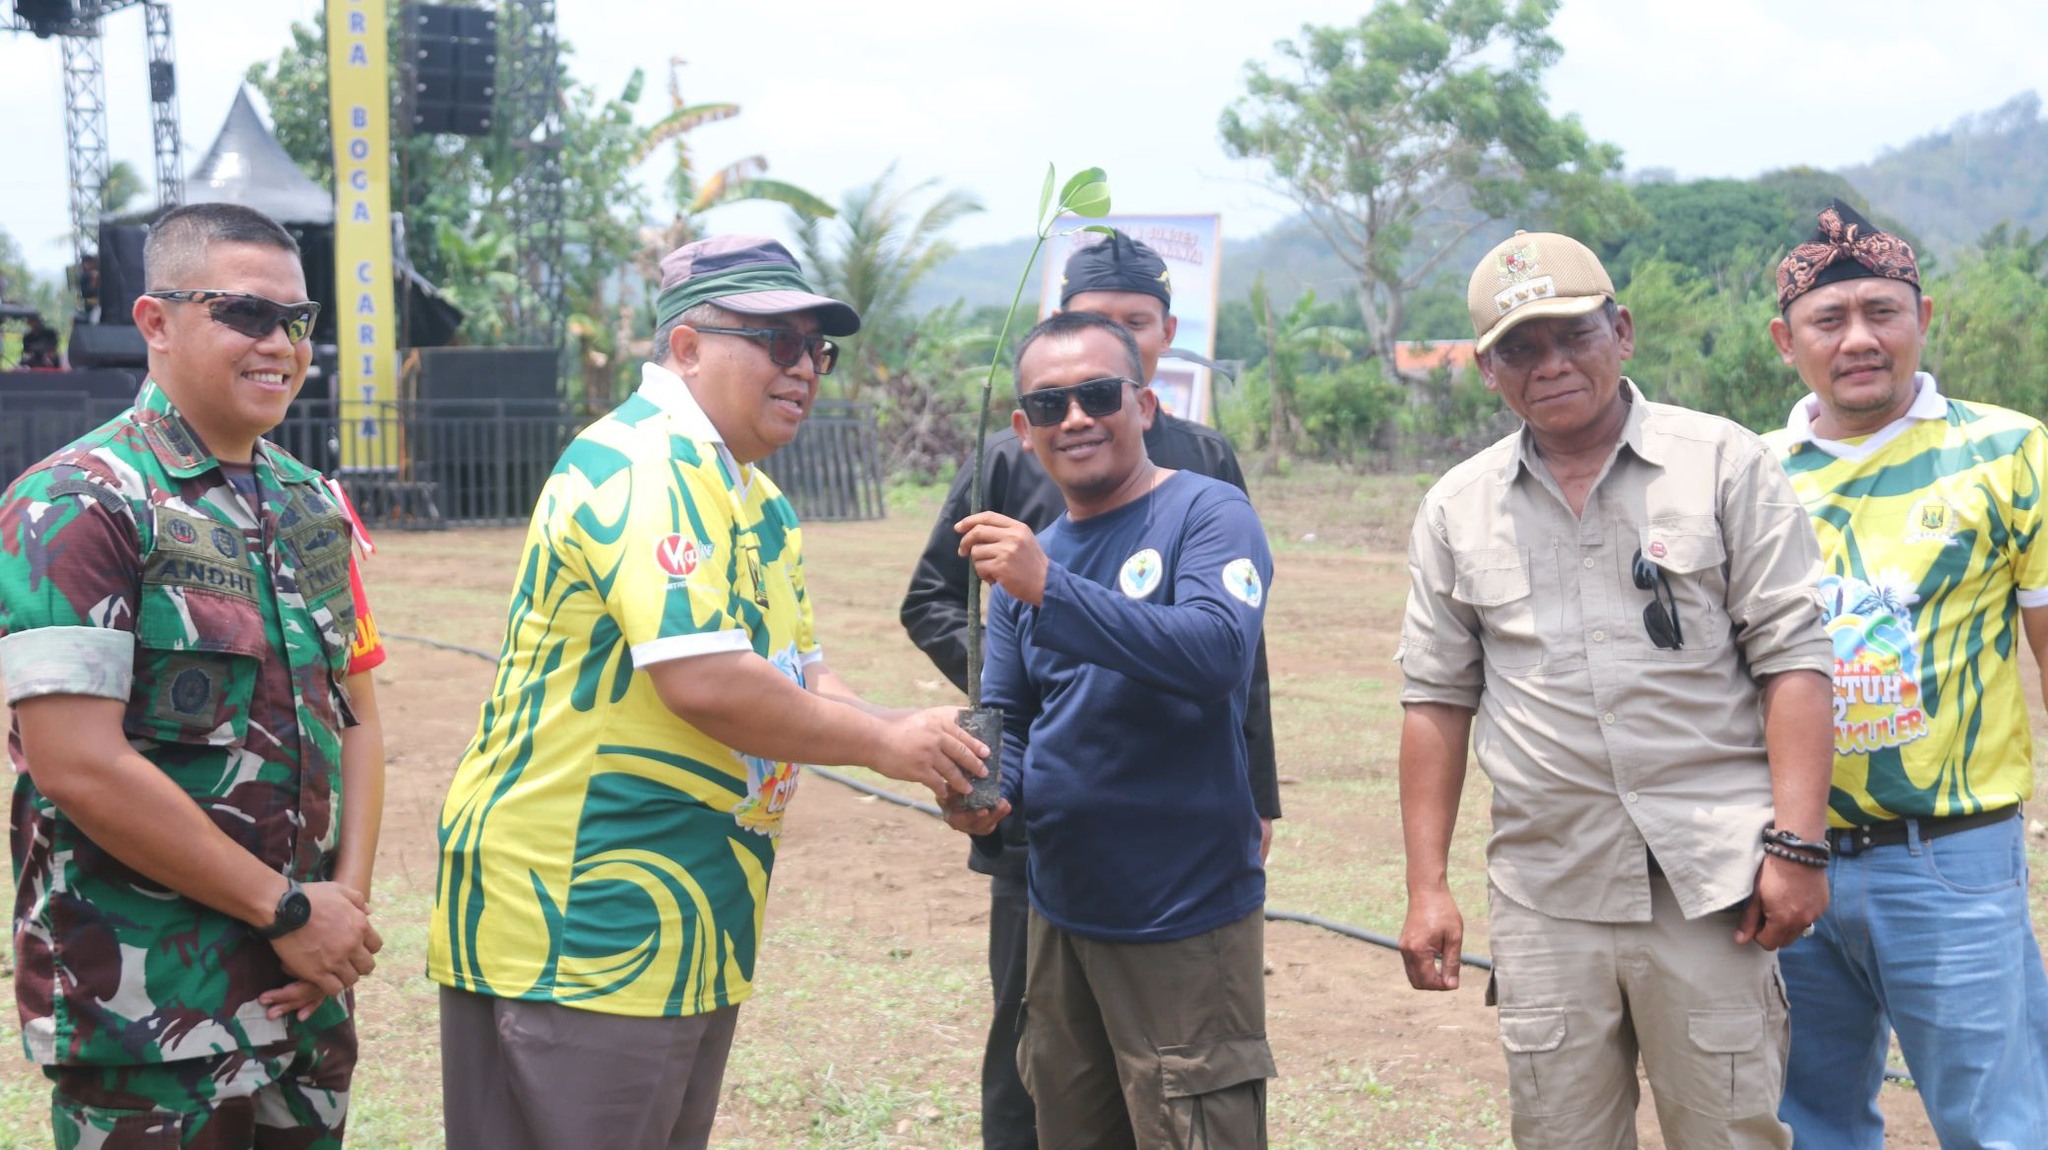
(596, 850)
(1929, 536)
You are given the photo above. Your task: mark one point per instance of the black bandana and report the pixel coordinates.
(1117, 263)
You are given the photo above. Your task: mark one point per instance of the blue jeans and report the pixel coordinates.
(1933, 939)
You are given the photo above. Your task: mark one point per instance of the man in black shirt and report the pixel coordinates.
(1123, 279)
(39, 345)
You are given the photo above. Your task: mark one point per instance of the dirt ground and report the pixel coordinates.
(867, 1027)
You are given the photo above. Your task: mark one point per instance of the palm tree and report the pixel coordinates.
(690, 198)
(883, 246)
(743, 179)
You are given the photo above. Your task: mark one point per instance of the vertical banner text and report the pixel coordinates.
(366, 319)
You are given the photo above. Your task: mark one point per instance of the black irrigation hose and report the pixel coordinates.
(1272, 915)
(866, 788)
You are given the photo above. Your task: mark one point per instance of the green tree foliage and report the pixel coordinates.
(1301, 348)
(883, 240)
(1989, 340)
(456, 194)
(123, 186)
(1709, 226)
(692, 193)
(1424, 111)
(20, 285)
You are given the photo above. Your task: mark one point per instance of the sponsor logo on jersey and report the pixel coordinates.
(680, 555)
(1241, 579)
(1141, 574)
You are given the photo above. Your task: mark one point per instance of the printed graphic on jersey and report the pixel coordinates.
(770, 785)
(1241, 579)
(1141, 573)
(1877, 665)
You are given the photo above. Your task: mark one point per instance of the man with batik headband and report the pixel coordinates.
(197, 763)
(1929, 515)
(608, 838)
(1614, 609)
(1125, 280)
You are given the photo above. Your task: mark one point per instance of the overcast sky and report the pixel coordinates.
(982, 96)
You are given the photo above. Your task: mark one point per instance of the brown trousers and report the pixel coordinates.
(1147, 1046)
(518, 1075)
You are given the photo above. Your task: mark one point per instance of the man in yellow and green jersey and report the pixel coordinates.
(607, 841)
(1930, 521)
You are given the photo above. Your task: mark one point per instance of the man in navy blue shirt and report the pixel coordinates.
(1125, 280)
(1120, 648)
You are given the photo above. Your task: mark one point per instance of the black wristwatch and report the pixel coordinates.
(293, 911)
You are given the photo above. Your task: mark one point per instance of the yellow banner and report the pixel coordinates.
(359, 108)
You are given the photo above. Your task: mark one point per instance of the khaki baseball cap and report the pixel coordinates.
(1533, 275)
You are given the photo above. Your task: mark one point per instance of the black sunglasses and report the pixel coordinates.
(786, 346)
(1660, 616)
(1047, 406)
(250, 315)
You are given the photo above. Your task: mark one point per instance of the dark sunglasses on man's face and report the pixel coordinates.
(786, 346)
(1047, 407)
(250, 315)
(1660, 616)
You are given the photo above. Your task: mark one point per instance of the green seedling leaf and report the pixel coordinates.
(1091, 189)
(1100, 229)
(1079, 180)
(1091, 200)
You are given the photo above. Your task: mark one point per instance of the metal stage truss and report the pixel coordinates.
(530, 108)
(85, 106)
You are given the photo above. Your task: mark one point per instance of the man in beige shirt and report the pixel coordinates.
(1622, 594)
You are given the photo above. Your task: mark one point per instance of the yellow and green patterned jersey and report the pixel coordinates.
(596, 850)
(1929, 531)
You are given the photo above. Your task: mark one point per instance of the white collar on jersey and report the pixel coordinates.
(667, 391)
(1928, 404)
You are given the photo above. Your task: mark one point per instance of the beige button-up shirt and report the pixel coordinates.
(1598, 742)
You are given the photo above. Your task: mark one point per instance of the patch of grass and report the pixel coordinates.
(820, 1059)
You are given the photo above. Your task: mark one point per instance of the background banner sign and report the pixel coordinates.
(1192, 247)
(359, 108)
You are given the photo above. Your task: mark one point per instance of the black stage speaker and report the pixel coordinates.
(107, 345)
(486, 459)
(46, 17)
(454, 69)
(121, 281)
(487, 373)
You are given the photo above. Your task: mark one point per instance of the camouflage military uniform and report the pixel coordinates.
(130, 568)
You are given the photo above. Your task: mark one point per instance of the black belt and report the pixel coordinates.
(1853, 840)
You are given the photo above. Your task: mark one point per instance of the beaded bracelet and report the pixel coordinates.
(1800, 857)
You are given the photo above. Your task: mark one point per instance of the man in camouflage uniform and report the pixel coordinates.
(175, 626)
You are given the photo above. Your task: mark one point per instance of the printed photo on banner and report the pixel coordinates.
(1192, 247)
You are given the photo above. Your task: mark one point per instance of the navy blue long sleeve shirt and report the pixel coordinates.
(1123, 696)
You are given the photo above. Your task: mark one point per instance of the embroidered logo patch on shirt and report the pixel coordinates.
(1241, 579)
(1140, 576)
(1933, 520)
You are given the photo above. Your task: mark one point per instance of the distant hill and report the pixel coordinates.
(1953, 186)
(1944, 190)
